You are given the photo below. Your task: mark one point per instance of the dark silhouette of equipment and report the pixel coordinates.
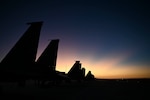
(89, 76)
(76, 72)
(48, 58)
(46, 63)
(17, 64)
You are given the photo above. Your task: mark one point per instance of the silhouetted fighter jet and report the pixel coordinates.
(48, 58)
(76, 72)
(47, 64)
(89, 76)
(17, 64)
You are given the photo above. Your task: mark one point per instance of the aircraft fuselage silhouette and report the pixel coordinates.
(19, 64)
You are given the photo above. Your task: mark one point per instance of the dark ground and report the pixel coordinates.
(137, 89)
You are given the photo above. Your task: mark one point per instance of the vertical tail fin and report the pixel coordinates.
(75, 72)
(24, 51)
(49, 56)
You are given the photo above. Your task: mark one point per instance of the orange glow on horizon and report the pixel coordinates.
(107, 67)
(124, 72)
(103, 68)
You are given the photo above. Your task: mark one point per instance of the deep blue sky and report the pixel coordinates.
(88, 29)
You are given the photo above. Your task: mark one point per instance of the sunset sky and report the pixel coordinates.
(109, 37)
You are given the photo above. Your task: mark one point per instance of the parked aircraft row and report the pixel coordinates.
(19, 64)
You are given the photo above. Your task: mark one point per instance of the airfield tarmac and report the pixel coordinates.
(86, 90)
